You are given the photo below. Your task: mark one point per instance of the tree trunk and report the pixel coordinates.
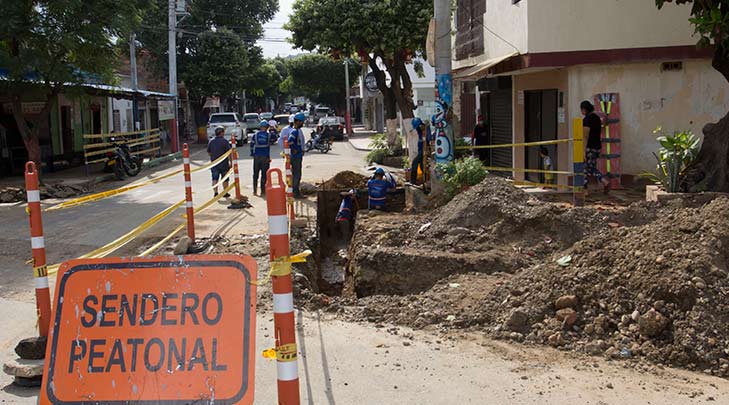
(710, 172)
(389, 101)
(31, 136)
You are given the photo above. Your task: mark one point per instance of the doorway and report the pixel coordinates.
(540, 112)
(66, 130)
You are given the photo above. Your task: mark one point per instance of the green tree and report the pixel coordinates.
(55, 44)
(215, 65)
(711, 21)
(319, 78)
(390, 31)
(243, 19)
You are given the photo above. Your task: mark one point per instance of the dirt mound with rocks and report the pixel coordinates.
(658, 291)
(18, 194)
(492, 227)
(344, 181)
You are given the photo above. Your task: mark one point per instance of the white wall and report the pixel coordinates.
(508, 30)
(570, 25)
(674, 100)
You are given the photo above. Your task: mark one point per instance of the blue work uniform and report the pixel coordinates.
(296, 146)
(377, 190)
(217, 147)
(345, 209)
(261, 152)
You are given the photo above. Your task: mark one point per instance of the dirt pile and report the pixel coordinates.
(17, 194)
(658, 290)
(492, 227)
(345, 180)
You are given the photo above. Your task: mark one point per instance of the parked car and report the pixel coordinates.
(283, 120)
(294, 109)
(321, 112)
(232, 124)
(331, 126)
(251, 122)
(266, 116)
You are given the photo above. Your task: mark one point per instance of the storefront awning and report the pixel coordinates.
(479, 71)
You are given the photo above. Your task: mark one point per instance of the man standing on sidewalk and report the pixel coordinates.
(286, 132)
(296, 146)
(261, 152)
(217, 147)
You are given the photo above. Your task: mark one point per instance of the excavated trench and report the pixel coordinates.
(333, 246)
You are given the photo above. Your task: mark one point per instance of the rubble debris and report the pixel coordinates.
(344, 181)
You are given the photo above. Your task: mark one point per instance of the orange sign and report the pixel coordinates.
(163, 330)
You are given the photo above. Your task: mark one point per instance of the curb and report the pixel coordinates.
(358, 148)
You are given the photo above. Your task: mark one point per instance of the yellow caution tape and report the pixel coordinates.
(287, 353)
(269, 353)
(509, 145)
(545, 185)
(214, 199)
(124, 239)
(40, 271)
(223, 180)
(213, 163)
(516, 169)
(282, 266)
(106, 194)
(166, 239)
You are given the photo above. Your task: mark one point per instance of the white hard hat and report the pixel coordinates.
(272, 123)
(291, 119)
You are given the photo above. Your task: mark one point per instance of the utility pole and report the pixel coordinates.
(444, 82)
(135, 83)
(348, 117)
(172, 20)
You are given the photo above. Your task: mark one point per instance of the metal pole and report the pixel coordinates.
(348, 117)
(135, 84)
(172, 51)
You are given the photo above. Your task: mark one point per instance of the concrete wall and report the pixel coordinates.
(507, 20)
(569, 25)
(674, 100)
(548, 80)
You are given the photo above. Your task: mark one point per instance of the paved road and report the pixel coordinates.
(78, 230)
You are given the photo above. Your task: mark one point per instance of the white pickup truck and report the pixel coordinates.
(232, 124)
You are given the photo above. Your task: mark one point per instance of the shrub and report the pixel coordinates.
(461, 153)
(461, 174)
(380, 149)
(677, 153)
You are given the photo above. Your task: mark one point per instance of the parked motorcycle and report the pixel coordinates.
(319, 142)
(121, 161)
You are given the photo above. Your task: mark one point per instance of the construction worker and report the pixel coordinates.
(286, 132)
(346, 213)
(377, 188)
(261, 152)
(421, 129)
(217, 147)
(296, 146)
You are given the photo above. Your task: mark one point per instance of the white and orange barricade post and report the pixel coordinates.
(188, 193)
(289, 181)
(283, 297)
(238, 203)
(37, 242)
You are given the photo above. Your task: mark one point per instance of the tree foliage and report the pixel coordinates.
(55, 43)
(391, 31)
(319, 78)
(710, 170)
(233, 57)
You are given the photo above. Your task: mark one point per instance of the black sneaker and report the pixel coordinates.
(227, 195)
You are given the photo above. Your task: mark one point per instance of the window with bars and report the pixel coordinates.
(469, 28)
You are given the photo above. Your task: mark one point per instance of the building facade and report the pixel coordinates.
(527, 65)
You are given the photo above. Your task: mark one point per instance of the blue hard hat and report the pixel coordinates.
(380, 171)
(417, 122)
(300, 117)
(264, 124)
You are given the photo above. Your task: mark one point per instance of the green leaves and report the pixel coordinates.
(319, 78)
(677, 153)
(461, 174)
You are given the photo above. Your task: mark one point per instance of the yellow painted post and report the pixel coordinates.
(578, 163)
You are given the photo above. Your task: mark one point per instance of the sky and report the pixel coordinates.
(272, 42)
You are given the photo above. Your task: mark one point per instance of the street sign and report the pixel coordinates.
(163, 330)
